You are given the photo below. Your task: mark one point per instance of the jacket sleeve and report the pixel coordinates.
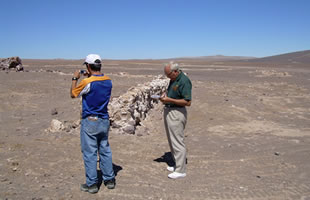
(76, 91)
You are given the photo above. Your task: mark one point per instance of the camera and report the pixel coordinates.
(82, 71)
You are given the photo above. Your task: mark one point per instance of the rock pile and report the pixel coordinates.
(11, 63)
(128, 110)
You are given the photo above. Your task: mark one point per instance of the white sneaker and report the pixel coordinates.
(170, 169)
(176, 175)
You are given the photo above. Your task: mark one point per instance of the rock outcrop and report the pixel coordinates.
(128, 110)
(11, 63)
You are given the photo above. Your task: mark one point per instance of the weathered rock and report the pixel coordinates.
(129, 129)
(56, 126)
(115, 125)
(132, 122)
(127, 111)
(11, 63)
(67, 126)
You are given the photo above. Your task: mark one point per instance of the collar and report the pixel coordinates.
(98, 74)
(179, 76)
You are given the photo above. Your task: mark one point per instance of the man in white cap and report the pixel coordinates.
(95, 91)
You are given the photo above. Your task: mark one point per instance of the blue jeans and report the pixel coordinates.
(94, 139)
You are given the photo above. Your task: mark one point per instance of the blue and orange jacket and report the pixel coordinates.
(96, 92)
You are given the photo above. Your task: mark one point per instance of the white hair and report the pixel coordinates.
(173, 66)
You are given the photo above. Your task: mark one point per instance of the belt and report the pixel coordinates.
(94, 117)
(173, 106)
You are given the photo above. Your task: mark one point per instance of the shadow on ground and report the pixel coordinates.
(116, 169)
(167, 158)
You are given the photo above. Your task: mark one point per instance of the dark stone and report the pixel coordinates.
(129, 129)
(54, 111)
(115, 125)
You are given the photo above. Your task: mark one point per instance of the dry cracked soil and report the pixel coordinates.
(248, 134)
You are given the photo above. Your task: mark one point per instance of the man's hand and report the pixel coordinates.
(163, 98)
(77, 74)
(180, 102)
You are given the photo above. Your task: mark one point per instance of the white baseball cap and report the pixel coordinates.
(92, 59)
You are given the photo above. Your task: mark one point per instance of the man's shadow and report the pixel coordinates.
(116, 169)
(167, 158)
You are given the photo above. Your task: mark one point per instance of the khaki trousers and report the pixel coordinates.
(175, 120)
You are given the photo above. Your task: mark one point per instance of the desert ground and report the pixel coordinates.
(248, 133)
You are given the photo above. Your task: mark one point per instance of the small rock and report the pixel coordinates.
(115, 125)
(56, 125)
(54, 111)
(277, 153)
(132, 122)
(129, 129)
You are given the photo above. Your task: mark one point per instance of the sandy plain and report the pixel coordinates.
(248, 134)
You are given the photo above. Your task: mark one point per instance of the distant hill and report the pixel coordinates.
(299, 57)
(214, 58)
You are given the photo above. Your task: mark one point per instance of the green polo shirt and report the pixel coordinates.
(181, 88)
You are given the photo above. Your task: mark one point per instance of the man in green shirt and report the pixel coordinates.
(178, 95)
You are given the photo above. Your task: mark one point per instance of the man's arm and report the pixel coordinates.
(179, 102)
(76, 76)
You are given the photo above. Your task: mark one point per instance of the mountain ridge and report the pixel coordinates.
(297, 57)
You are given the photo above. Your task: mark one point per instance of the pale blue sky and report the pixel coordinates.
(128, 29)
